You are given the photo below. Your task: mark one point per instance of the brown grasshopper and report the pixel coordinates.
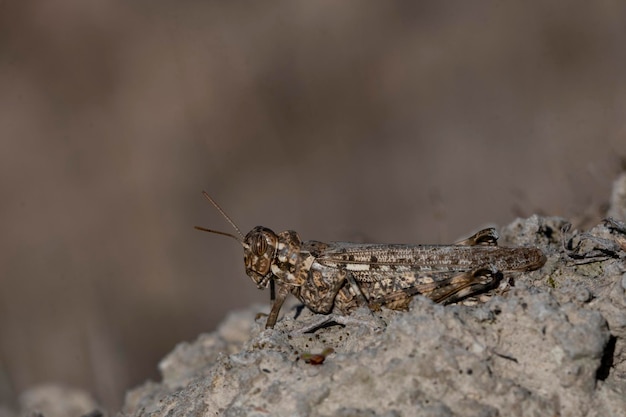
(338, 277)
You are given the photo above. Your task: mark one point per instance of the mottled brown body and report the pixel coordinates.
(338, 277)
(341, 276)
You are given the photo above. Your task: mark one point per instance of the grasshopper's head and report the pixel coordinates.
(259, 249)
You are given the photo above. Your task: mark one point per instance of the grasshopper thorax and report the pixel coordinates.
(260, 246)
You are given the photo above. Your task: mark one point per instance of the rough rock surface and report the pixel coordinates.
(52, 400)
(549, 342)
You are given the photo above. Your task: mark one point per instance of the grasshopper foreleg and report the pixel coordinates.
(280, 296)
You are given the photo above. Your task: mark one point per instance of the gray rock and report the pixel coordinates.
(53, 400)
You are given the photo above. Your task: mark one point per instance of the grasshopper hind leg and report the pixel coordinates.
(445, 291)
(467, 284)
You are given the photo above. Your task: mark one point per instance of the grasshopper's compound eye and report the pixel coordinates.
(258, 245)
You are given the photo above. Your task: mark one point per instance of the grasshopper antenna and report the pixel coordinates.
(232, 223)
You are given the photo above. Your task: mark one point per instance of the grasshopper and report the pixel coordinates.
(338, 277)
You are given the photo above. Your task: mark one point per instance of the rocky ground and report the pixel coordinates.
(547, 342)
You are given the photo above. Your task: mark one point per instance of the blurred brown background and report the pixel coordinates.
(406, 122)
